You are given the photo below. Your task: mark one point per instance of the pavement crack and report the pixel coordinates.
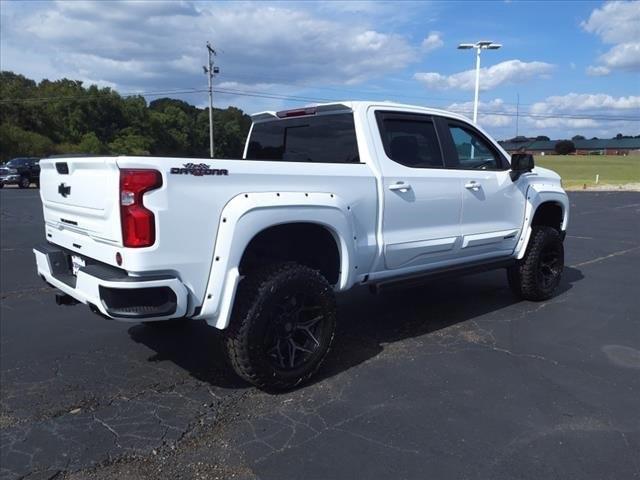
(378, 442)
(634, 459)
(108, 427)
(606, 257)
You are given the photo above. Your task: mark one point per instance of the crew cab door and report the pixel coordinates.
(492, 204)
(422, 202)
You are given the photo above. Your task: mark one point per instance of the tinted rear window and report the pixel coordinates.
(321, 139)
(410, 139)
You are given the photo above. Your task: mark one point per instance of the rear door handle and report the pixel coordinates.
(400, 186)
(472, 185)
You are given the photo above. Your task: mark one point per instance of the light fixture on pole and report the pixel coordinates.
(479, 46)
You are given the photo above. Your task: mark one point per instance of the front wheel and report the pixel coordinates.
(282, 326)
(537, 275)
(24, 182)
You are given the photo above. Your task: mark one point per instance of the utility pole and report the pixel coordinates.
(210, 71)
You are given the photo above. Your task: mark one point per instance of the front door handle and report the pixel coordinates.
(472, 185)
(400, 186)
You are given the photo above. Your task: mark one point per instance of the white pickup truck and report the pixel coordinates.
(325, 198)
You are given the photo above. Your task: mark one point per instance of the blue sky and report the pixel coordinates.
(575, 65)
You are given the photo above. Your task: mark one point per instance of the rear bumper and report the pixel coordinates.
(113, 292)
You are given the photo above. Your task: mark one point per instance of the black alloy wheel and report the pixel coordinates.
(550, 265)
(282, 325)
(537, 276)
(291, 338)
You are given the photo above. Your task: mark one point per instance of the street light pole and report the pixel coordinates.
(477, 94)
(478, 46)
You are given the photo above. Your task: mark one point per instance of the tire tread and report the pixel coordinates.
(523, 276)
(258, 284)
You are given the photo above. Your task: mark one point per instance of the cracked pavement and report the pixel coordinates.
(455, 379)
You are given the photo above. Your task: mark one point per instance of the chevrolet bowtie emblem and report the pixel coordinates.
(64, 190)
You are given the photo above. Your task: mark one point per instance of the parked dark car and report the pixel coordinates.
(21, 171)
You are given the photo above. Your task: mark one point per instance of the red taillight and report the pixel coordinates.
(138, 223)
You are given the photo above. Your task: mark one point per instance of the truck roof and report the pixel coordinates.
(354, 105)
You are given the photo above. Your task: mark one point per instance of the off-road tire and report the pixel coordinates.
(253, 315)
(24, 182)
(526, 277)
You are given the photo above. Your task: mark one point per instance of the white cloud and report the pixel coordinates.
(577, 102)
(625, 56)
(595, 114)
(559, 116)
(432, 42)
(510, 71)
(492, 114)
(155, 45)
(617, 24)
(598, 71)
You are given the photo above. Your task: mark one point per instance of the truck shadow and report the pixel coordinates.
(367, 324)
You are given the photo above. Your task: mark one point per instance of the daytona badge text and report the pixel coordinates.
(198, 169)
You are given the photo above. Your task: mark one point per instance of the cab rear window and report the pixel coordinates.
(317, 139)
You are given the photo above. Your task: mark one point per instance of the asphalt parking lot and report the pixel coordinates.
(455, 379)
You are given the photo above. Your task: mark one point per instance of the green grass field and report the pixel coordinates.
(577, 170)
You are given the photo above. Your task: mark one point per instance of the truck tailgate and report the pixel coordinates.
(80, 195)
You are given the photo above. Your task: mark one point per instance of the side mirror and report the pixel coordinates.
(521, 163)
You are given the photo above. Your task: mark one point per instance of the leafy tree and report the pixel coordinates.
(15, 141)
(64, 116)
(171, 131)
(577, 137)
(90, 143)
(543, 138)
(565, 147)
(230, 128)
(130, 143)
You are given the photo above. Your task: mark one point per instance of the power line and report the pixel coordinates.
(499, 113)
(280, 81)
(559, 115)
(277, 96)
(310, 99)
(102, 96)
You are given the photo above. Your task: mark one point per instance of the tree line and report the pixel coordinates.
(65, 117)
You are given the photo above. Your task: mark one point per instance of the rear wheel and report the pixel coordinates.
(24, 182)
(537, 275)
(282, 327)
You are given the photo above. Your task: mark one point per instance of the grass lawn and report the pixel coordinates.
(576, 170)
